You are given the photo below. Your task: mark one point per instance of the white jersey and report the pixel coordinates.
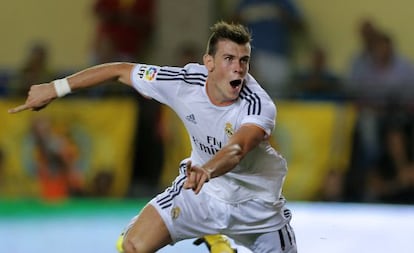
(261, 174)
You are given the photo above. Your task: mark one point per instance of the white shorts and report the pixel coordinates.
(257, 225)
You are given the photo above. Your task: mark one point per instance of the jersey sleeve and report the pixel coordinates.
(150, 81)
(266, 120)
(259, 110)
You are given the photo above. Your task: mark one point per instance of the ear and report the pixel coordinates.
(208, 61)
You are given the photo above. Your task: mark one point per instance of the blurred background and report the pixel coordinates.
(341, 74)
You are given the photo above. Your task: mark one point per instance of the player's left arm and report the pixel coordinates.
(246, 138)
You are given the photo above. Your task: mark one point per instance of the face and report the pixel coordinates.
(227, 71)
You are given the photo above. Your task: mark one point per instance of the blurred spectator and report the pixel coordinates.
(366, 136)
(368, 34)
(55, 157)
(317, 81)
(34, 70)
(124, 32)
(393, 180)
(384, 74)
(272, 22)
(124, 29)
(380, 79)
(148, 161)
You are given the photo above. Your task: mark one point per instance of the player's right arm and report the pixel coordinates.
(40, 95)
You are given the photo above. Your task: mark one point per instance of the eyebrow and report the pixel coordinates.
(246, 57)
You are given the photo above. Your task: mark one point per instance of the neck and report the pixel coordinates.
(215, 96)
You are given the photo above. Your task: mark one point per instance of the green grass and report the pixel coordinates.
(82, 206)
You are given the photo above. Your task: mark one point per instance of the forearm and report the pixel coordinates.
(40, 95)
(224, 160)
(242, 142)
(98, 74)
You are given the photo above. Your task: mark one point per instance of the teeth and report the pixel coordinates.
(235, 82)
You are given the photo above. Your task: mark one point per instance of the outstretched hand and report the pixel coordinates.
(196, 177)
(39, 97)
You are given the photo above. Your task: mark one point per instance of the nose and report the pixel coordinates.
(238, 67)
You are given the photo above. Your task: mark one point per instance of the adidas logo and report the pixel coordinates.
(191, 118)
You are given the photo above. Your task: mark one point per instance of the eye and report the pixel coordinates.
(244, 60)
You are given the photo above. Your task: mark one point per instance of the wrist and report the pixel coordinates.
(208, 172)
(62, 87)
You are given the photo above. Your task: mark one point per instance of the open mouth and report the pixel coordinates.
(236, 83)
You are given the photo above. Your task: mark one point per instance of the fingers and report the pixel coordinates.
(200, 183)
(190, 181)
(39, 96)
(196, 177)
(188, 168)
(18, 108)
(34, 106)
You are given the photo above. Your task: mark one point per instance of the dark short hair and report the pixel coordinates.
(227, 31)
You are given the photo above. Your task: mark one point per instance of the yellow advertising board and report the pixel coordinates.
(315, 138)
(75, 146)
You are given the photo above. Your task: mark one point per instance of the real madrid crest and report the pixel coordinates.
(175, 212)
(229, 129)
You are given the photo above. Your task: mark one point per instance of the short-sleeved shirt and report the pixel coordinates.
(261, 173)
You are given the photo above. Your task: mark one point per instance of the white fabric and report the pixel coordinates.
(62, 87)
(262, 172)
(250, 223)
